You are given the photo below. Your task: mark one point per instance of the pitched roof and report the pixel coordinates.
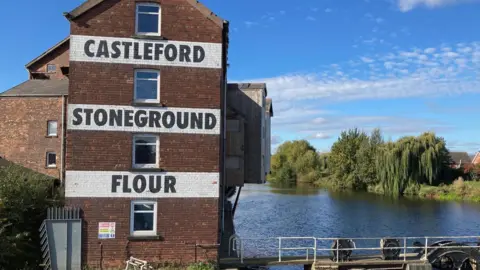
(269, 106)
(38, 88)
(460, 157)
(67, 39)
(89, 4)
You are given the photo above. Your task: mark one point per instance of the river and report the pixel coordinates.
(264, 211)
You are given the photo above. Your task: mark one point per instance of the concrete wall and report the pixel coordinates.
(249, 101)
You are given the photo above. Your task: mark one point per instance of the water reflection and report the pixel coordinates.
(268, 211)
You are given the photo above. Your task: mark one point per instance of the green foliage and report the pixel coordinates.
(294, 161)
(352, 159)
(411, 160)
(24, 199)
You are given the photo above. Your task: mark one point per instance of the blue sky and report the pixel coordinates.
(405, 66)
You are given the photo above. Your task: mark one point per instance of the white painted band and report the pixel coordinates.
(115, 184)
(145, 52)
(143, 119)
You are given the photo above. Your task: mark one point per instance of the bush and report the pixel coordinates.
(24, 198)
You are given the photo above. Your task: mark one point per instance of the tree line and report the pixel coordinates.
(362, 161)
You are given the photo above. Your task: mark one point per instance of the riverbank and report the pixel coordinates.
(459, 190)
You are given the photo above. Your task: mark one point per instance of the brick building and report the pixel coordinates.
(136, 127)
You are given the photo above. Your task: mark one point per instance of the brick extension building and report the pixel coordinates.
(136, 127)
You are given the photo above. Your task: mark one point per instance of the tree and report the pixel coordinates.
(24, 199)
(412, 160)
(366, 156)
(344, 157)
(294, 161)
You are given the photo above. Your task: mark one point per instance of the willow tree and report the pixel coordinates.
(411, 160)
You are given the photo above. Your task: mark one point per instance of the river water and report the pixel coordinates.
(264, 212)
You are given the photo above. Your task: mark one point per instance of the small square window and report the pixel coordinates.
(145, 151)
(143, 218)
(148, 19)
(51, 160)
(51, 68)
(232, 162)
(147, 86)
(52, 128)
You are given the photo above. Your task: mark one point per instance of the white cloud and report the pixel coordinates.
(319, 135)
(250, 24)
(328, 10)
(275, 139)
(300, 99)
(310, 18)
(407, 5)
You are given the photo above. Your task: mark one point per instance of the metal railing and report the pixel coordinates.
(237, 245)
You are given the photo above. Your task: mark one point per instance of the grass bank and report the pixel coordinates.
(459, 190)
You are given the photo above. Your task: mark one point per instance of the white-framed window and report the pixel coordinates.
(147, 85)
(51, 160)
(51, 68)
(148, 19)
(146, 149)
(143, 218)
(52, 128)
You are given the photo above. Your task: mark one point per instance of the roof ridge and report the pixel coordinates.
(51, 49)
(89, 4)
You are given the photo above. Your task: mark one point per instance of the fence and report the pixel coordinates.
(311, 248)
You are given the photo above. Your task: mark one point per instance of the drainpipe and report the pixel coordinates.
(62, 149)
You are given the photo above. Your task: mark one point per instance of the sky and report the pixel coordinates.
(404, 66)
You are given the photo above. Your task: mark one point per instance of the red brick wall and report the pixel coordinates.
(180, 21)
(179, 223)
(23, 130)
(59, 57)
(112, 151)
(179, 86)
(182, 222)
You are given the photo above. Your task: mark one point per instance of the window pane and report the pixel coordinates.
(146, 140)
(51, 158)
(145, 154)
(51, 68)
(143, 221)
(148, 9)
(146, 89)
(52, 127)
(147, 75)
(148, 23)
(143, 207)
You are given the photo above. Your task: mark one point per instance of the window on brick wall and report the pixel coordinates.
(147, 86)
(51, 160)
(52, 128)
(146, 151)
(148, 19)
(51, 68)
(143, 218)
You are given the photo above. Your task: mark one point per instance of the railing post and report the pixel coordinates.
(241, 250)
(280, 249)
(426, 246)
(404, 249)
(338, 254)
(315, 250)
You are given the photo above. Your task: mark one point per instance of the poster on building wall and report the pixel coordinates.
(106, 230)
(118, 184)
(145, 52)
(145, 119)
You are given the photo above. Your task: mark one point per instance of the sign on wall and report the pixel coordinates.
(114, 184)
(145, 52)
(145, 119)
(106, 230)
